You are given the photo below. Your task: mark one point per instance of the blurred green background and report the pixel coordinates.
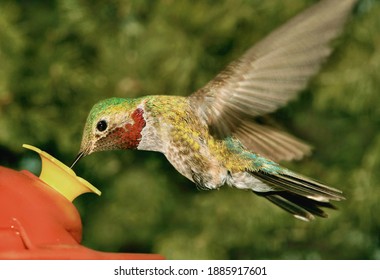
(59, 57)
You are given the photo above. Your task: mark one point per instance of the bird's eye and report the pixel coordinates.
(101, 125)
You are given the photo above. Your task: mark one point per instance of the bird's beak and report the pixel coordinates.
(79, 156)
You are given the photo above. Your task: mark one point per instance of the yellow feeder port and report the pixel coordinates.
(60, 177)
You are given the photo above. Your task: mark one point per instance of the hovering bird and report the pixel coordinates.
(211, 137)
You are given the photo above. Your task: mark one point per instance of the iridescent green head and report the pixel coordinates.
(112, 124)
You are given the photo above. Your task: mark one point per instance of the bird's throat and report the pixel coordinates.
(130, 134)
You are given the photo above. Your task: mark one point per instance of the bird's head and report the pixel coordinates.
(112, 124)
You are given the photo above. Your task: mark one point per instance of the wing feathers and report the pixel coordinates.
(271, 143)
(272, 72)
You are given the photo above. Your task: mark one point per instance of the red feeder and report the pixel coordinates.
(37, 218)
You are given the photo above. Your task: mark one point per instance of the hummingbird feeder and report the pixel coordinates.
(38, 219)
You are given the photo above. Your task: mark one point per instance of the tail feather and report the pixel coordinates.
(298, 195)
(300, 207)
(299, 185)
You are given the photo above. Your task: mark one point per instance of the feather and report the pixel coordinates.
(269, 75)
(270, 142)
(299, 195)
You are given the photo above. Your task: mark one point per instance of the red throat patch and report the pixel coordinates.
(130, 135)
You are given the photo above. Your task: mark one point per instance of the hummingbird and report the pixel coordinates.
(213, 138)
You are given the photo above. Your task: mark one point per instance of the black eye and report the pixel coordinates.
(101, 125)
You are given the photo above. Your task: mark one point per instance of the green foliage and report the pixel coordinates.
(60, 57)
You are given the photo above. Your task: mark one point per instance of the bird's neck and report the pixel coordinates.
(161, 114)
(150, 135)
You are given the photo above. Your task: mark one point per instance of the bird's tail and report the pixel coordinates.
(299, 195)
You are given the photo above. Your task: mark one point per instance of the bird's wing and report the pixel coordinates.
(269, 75)
(271, 142)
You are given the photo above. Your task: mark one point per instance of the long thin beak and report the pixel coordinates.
(79, 156)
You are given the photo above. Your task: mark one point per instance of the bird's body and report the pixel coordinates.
(171, 126)
(211, 137)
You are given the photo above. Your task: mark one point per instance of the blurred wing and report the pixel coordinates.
(270, 142)
(270, 74)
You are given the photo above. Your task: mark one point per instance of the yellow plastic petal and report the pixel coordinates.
(60, 177)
